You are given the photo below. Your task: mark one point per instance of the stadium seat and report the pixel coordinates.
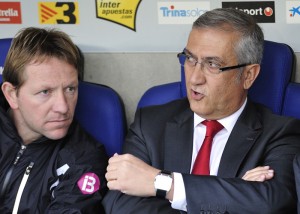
(291, 105)
(99, 110)
(268, 89)
(4, 47)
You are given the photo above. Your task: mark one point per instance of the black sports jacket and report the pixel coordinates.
(50, 176)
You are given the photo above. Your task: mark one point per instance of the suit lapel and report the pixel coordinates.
(179, 143)
(243, 136)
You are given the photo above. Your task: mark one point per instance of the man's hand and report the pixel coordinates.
(260, 173)
(131, 175)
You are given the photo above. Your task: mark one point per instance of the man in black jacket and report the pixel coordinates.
(48, 164)
(221, 61)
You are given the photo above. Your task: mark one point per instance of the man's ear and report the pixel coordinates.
(10, 94)
(250, 74)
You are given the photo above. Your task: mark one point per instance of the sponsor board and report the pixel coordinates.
(181, 12)
(10, 13)
(293, 12)
(122, 12)
(262, 11)
(58, 12)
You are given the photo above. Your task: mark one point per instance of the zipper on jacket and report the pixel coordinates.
(21, 187)
(9, 172)
(20, 153)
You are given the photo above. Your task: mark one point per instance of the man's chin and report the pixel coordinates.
(57, 134)
(197, 107)
(200, 110)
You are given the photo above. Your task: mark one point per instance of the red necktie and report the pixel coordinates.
(201, 165)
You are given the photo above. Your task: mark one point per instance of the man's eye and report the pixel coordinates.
(213, 64)
(44, 92)
(71, 89)
(190, 58)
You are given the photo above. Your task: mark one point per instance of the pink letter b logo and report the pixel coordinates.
(88, 183)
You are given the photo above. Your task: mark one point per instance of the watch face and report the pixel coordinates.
(163, 182)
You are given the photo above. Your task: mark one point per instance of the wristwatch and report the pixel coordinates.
(162, 183)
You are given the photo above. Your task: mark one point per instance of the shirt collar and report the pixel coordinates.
(227, 122)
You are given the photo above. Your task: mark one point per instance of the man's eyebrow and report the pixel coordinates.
(187, 50)
(209, 58)
(190, 53)
(214, 58)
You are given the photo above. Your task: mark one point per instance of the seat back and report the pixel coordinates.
(99, 110)
(268, 89)
(276, 71)
(291, 105)
(161, 94)
(4, 47)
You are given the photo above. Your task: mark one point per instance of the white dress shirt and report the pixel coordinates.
(219, 143)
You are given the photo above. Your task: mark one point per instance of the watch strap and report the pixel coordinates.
(166, 172)
(162, 193)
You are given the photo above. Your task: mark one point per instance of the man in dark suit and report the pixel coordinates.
(296, 166)
(221, 60)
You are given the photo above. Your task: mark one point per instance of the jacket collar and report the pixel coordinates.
(179, 142)
(242, 138)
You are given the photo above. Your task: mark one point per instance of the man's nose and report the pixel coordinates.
(197, 75)
(60, 103)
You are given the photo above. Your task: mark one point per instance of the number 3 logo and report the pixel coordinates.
(69, 12)
(58, 12)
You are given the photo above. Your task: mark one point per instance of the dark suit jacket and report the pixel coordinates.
(162, 136)
(297, 177)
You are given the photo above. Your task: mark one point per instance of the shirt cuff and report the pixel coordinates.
(179, 197)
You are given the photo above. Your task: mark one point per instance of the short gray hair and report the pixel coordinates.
(249, 48)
